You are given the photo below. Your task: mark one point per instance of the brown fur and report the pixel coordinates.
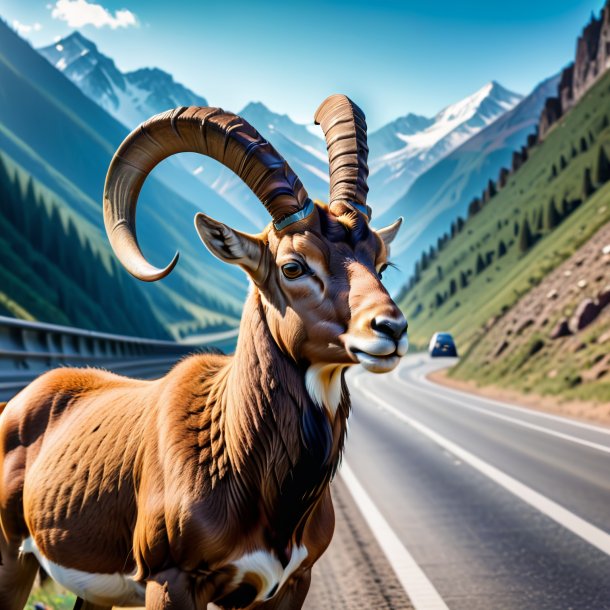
(152, 457)
(177, 480)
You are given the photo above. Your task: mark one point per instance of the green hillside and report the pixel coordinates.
(48, 272)
(444, 191)
(549, 207)
(51, 133)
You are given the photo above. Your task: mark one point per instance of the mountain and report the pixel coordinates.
(519, 282)
(408, 146)
(591, 61)
(56, 135)
(399, 151)
(130, 97)
(442, 193)
(305, 153)
(133, 97)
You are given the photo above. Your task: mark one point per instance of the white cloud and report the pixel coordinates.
(77, 13)
(23, 28)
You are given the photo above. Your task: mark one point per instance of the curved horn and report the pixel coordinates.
(344, 127)
(210, 131)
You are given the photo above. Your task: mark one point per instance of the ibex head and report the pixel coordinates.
(316, 267)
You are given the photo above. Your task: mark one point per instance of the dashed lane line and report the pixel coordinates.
(508, 418)
(585, 530)
(600, 429)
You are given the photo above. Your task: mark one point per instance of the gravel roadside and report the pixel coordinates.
(354, 573)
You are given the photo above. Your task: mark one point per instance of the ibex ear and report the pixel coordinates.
(229, 245)
(388, 233)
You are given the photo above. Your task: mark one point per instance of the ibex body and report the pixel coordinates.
(209, 485)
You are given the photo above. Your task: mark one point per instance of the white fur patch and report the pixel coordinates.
(269, 569)
(323, 383)
(102, 589)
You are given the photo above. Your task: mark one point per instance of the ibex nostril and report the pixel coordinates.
(392, 327)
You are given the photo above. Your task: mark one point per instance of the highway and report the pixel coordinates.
(444, 500)
(479, 505)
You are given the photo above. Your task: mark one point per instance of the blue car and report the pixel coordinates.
(442, 344)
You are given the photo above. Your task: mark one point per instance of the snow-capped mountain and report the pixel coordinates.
(408, 146)
(442, 193)
(305, 153)
(399, 152)
(130, 97)
(133, 97)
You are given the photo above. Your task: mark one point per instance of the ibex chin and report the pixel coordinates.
(211, 484)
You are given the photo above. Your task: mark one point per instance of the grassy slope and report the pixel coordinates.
(494, 290)
(201, 293)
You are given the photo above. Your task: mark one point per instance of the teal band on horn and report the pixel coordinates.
(361, 208)
(304, 213)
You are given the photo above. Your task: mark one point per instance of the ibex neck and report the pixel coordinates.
(269, 410)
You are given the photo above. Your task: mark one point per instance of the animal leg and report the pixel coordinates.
(291, 596)
(17, 574)
(171, 590)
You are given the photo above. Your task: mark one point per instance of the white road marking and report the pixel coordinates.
(519, 422)
(505, 405)
(420, 590)
(585, 530)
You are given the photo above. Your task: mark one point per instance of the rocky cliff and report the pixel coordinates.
(591, 61)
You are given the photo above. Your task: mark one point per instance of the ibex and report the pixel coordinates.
(209, 485)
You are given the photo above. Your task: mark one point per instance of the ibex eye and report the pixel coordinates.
(381, 270)
(293, 270)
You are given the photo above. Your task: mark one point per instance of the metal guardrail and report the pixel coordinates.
(28, 349)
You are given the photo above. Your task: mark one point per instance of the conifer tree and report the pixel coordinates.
(552, 217)
(602, 173)
(474, 207)
(539, 219)
(583, 145)
(526, 239)
(6, 192)
(587, 184)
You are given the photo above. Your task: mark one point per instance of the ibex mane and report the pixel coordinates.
(211, 484)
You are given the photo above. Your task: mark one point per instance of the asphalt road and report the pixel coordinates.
(495, 507)
(449, 500)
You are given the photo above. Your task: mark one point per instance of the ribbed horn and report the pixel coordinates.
(213, 132)
(344, 127)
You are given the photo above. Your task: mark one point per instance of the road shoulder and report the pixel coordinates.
(353, 573)
(576, 409)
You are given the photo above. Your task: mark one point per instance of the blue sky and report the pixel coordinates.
(392, 57)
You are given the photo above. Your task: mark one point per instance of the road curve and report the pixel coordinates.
(451, 500)
(499, 507)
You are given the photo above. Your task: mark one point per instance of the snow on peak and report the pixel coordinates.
(130, 97)
(408, 146)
